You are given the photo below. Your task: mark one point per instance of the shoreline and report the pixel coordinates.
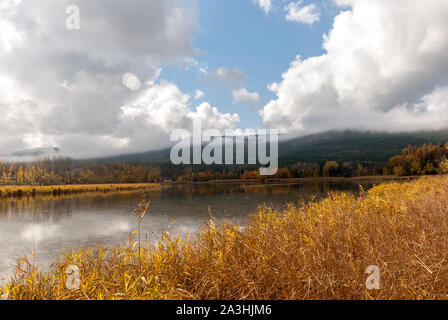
(27, 191)
(12, 191)
(268, 181)
(345, 234)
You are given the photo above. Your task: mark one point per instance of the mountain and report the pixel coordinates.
(341, 146)
(354, 146)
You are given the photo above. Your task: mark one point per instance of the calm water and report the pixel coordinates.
(53, 224)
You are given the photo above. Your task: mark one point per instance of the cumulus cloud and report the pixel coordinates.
(242, 95)
(385, 67)
(67, 88)
(164, 104)
(166, 108)
(308, 14)
(266, 5)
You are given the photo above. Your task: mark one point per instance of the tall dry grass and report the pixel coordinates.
(17, 191)
(318, 250)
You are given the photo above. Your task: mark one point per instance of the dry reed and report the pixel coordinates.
(18, 191)
(318, 250)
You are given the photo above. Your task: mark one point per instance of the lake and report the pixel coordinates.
(51, 224)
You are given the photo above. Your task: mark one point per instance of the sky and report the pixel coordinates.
(134, 71)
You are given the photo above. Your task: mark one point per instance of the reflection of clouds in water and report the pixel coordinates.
(20, 239)
(36, 233)
(114, 227)
(184, 229)
(49, 240)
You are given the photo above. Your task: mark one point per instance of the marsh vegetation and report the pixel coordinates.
(314, 250)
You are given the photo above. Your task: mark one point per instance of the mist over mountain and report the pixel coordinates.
(341, 146)
(32, 154)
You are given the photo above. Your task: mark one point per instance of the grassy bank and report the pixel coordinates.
(318, 250)
(17, 191)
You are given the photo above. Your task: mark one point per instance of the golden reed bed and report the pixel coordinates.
(14, 191)
(318, 250)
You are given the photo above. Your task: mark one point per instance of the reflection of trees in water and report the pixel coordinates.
(58, 208)
(36, 209)
(303, 190)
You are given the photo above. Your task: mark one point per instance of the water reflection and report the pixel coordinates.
(52, 224)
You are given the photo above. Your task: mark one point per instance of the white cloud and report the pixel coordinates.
(303, 14)
(162, 108)
(153, 79)
(163, 105)
(64, 88)
(166, 106)
(232, 77)
(214, 119)
(9, 37)
(242, 95)
(385, 67)
(198, 94)
(266, 5)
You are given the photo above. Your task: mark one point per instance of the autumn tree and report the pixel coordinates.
(330, 169)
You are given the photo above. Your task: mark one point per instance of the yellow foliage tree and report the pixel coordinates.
(444, 166)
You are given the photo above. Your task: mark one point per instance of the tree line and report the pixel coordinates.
(426, 160)
(64, 170)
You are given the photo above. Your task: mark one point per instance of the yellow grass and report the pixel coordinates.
(318, 250)
(13, 191)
